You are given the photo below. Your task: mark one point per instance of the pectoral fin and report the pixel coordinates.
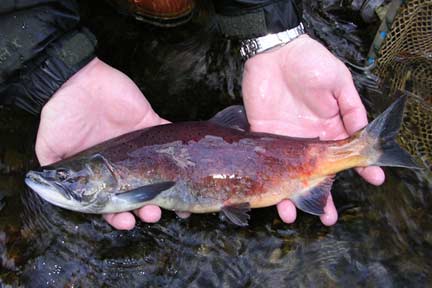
(314, 200)
(144, 193)
(237, 213)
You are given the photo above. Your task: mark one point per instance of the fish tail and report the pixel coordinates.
(381, 134)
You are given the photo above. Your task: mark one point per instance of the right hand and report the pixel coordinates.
(302, 90)
(94, 105)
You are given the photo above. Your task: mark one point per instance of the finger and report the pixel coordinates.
(330, 215)
(353, 112)
(373, 174)
(355, 118)
(120, 221)
(183, 214)
(149, 213)
(287, 211)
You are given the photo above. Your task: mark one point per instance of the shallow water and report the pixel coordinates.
(383, 237)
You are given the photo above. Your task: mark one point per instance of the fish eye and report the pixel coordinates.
(62, 174)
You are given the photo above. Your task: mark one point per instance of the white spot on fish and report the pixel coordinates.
(260, 149)
(225, 176)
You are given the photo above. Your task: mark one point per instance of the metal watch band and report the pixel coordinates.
(251, 47)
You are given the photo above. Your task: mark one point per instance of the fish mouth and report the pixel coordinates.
(49, 190)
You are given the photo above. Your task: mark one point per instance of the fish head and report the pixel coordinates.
(77, 185)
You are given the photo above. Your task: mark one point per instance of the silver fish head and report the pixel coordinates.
(81, 185)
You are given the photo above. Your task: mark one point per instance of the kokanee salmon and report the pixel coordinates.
(215, 165)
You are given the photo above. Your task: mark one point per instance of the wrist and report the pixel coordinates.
(85, 77)
(253, 46)
(284, 51)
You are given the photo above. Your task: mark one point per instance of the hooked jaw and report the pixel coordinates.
(49, 190)
(48, 185)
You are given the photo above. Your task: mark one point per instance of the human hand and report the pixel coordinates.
(96, 104)
(302, 90)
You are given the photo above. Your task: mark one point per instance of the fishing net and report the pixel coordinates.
(402, 52)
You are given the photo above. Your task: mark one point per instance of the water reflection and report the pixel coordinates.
(383, 237)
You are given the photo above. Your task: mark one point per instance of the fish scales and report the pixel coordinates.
(216, 165)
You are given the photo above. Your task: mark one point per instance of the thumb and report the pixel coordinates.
(354, 118)
(353, 112)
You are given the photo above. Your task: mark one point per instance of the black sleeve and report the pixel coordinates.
(255, 18)
(41, 46)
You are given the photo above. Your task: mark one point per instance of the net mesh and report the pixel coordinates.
(404, 60)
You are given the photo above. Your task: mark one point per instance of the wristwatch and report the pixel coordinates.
(251, 47)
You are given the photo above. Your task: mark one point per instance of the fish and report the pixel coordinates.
(218, 165)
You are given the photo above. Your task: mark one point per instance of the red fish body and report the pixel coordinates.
(216, 165)
(213, 165)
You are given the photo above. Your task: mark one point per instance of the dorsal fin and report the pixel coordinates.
(232, 117)
(314, 200)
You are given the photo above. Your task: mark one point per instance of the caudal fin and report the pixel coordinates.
(384, 130)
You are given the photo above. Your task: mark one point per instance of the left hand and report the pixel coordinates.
(302, 90)
(97, 103)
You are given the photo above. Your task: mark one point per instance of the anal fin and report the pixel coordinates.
(314, 200)
(237, 213)
(144, 193)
